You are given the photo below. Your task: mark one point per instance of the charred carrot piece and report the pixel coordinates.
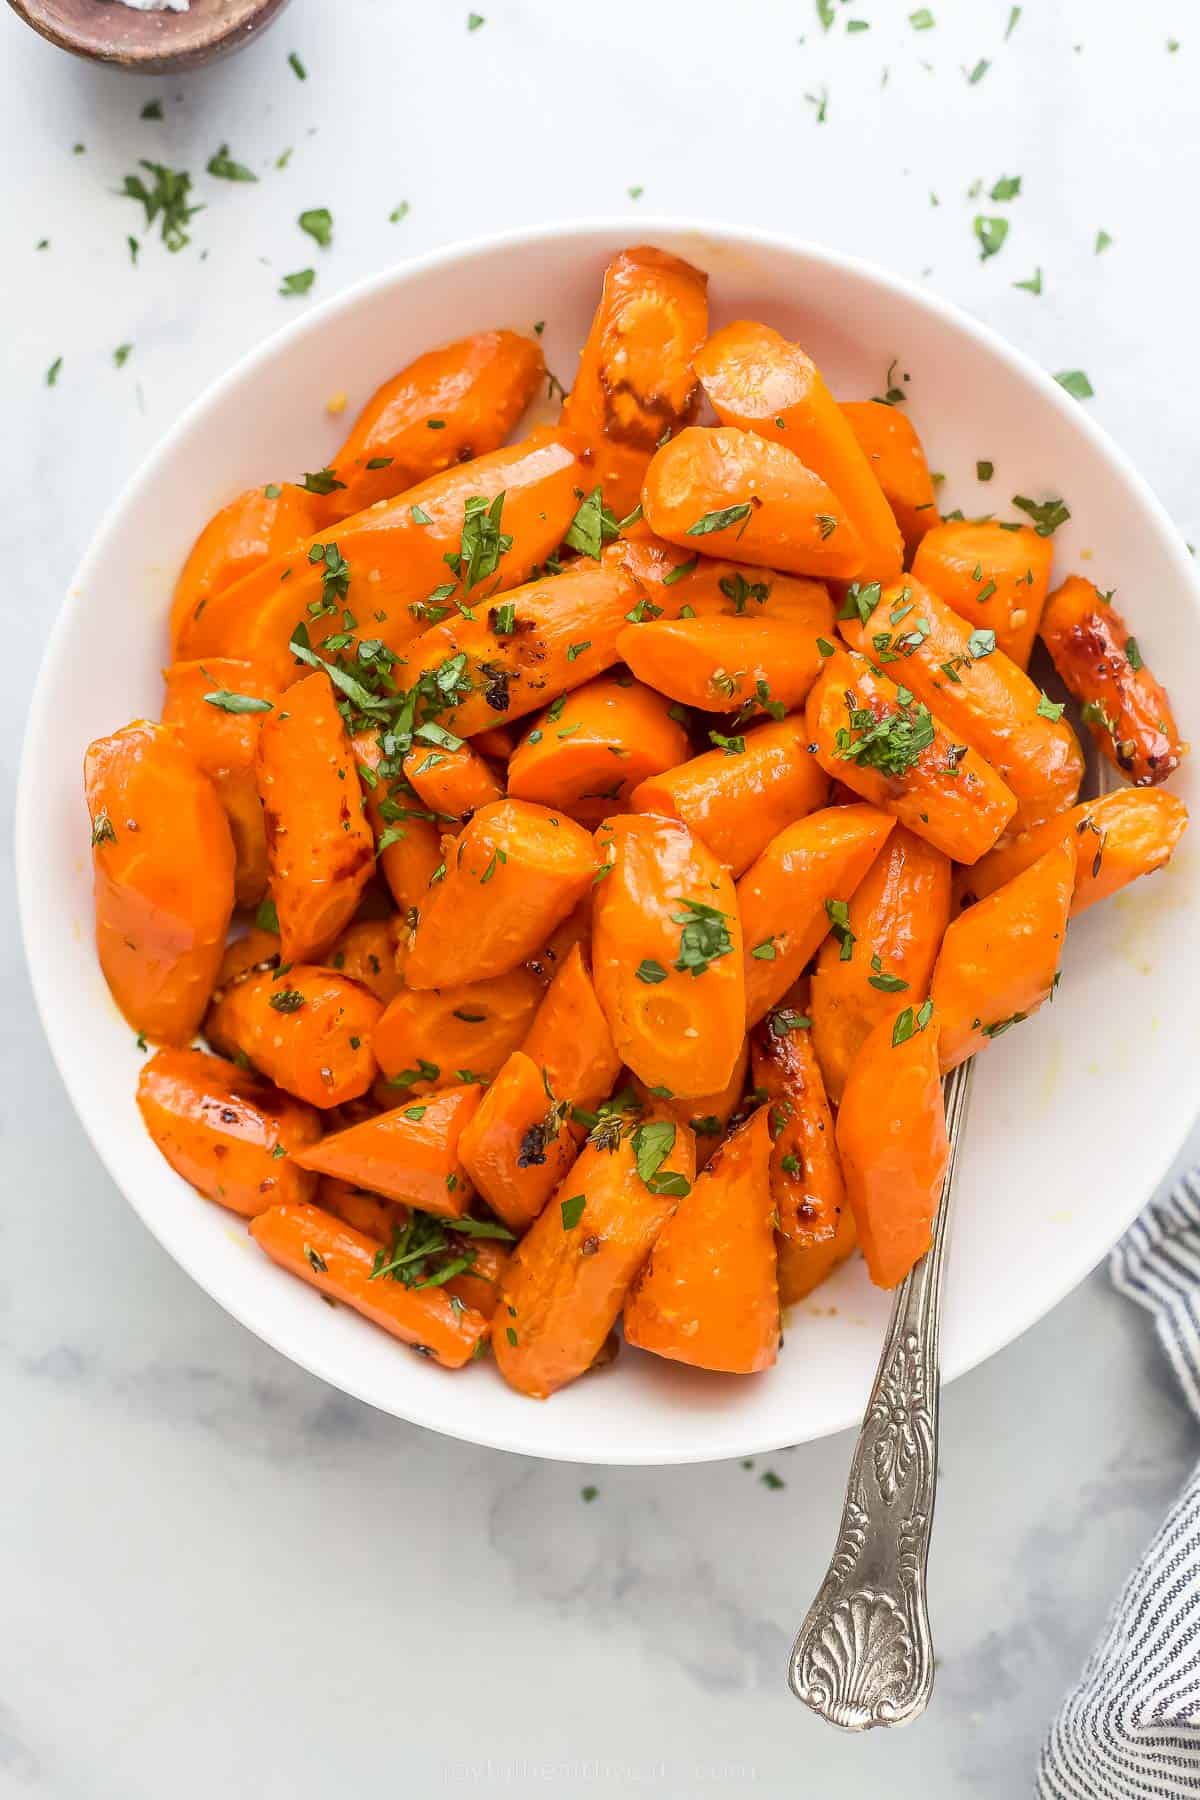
(408, 843)
(409, 1154)
(737, 799)
(217, 708)
(450, 406)
(891, 1135)
(999, 959)
(338, 1261)
(994, 576)
(320, 853)
(564, 1286)
(517, 872)
(899, 755)
(232, 1136)
(256, 528)
(897, 917)
(455, 1034)
(453, 783)
(758, 381)
(635, 379)
(888, 439)
(797, 889)
(307, 1029)
(1124, 707)
(369, 1213)
(705, 1115)
(570, 1040)
(718, 664)
(520, 1143)
(709, 1294)
(369, 952)
(604, 739)
(163, 871)
(1119, 837)
(731, 493)
(806, 1176)
(667, 954)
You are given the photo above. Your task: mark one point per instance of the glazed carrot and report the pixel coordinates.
(667, 954)
(709, 1294)
(232, 1136)
(162, 865)
(409, 1154)
(804, 1265)
(681, 583)
(337, 1260)
(369, 1213)
(307, 1029)
(992, 575)
(517, 871)
(718, 664)
(899, 755)
(806, 1172)
(497, 742)
(891, 1135)
(320, 853)
(576, 928)
(564, 632)
(569, 1039)
(603, 740)
(520, 1143)
(567, 1279)
(980, 695)
(635, 379)
(1124, 707)
(258, 950)
(258, 527)
(796, 889)
(888, 440)
(705, 1115)
(411, 841)
(757, 381)
(737, 800)
(369, 952)
(385, 565)
(479, 1286)
(443, 1035)
(218, 708)
(897, 917)
(449, 406)
(999, 959)
(731, 493)
(1119, 837)
(454, 783)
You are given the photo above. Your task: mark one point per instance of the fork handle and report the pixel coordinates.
(863, 1655)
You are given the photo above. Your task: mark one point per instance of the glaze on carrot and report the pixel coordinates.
(466, 1030)
(452, 782)
(994, 576)
(408, 843)
(520, 1143)
(217, 708)
(371, 952)
(888, 439)
(1119, 837)
(603, 740)
(258, 527)
(409, 1154)
(719, 664)
(706, 1115)
(307, 1029)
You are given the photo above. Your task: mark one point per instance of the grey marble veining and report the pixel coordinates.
(220, 1576)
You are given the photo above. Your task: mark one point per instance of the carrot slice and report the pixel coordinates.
(719, 664)
(259, 526)
(888, 440)
(995, 576)
(570, 1038)
(307, 1029)
(409, 1154)
(705, 1115)
(603, 740)
(218, 708)
(458, 1033)
(1121, 836)
(680, 583)
(370, 953)
(408, 844)
(453, 782)
(520, 1143)
(369, 1213)
(806, 1176)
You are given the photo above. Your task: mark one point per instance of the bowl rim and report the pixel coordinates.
(623, 229)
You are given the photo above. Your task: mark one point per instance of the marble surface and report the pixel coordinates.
(219, 1575)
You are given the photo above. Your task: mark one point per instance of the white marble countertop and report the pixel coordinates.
(220, 1576)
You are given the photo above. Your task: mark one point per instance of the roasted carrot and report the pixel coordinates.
(259, 526)
(889, 441)
(898, 755)
(897, 917)
(758, 381)
(517, 871)
(737, 799)
(370, 952)
(1119, 837)
(891, 1135)
(498, 742)
(635, 379)
(338, 1261)
(570, 1040)
(730, 493)
(520, 1143)
(709, 1294)
(163, 870)
(718, 664)
(576, 928)
(604, 739)
(218, 708)
(496, 517)
(567, 1279)
(258, 950)
(408, 843)
(667, 954)
(682, 584)
(307, 1029)
(1124, 707)
(320, 853)
(456, 1033)
(453, 782)
(409, 1154)
(798, 888)
(479, 1286)
(993, 575)
(564, 631)
(369, 1213)
(232, 1136)
(705, 1115)
(449, 406)
(980, 695)
(999, 959)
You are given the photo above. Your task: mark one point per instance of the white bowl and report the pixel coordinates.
(1075, 1116)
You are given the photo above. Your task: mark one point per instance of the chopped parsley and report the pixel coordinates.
(1076, 384)
(892, 744)
(299, 282)
(318, 222)
(223, 167)
(720, 520)
(224, 701)
(164, 199)
(704, 937)
(991, 233)
(1047, 515)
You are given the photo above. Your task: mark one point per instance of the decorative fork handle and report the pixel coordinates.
(863, 1655)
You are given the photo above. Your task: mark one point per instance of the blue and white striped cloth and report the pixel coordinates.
(1132, 1726)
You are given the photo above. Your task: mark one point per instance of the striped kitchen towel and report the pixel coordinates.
(1132, 1726)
